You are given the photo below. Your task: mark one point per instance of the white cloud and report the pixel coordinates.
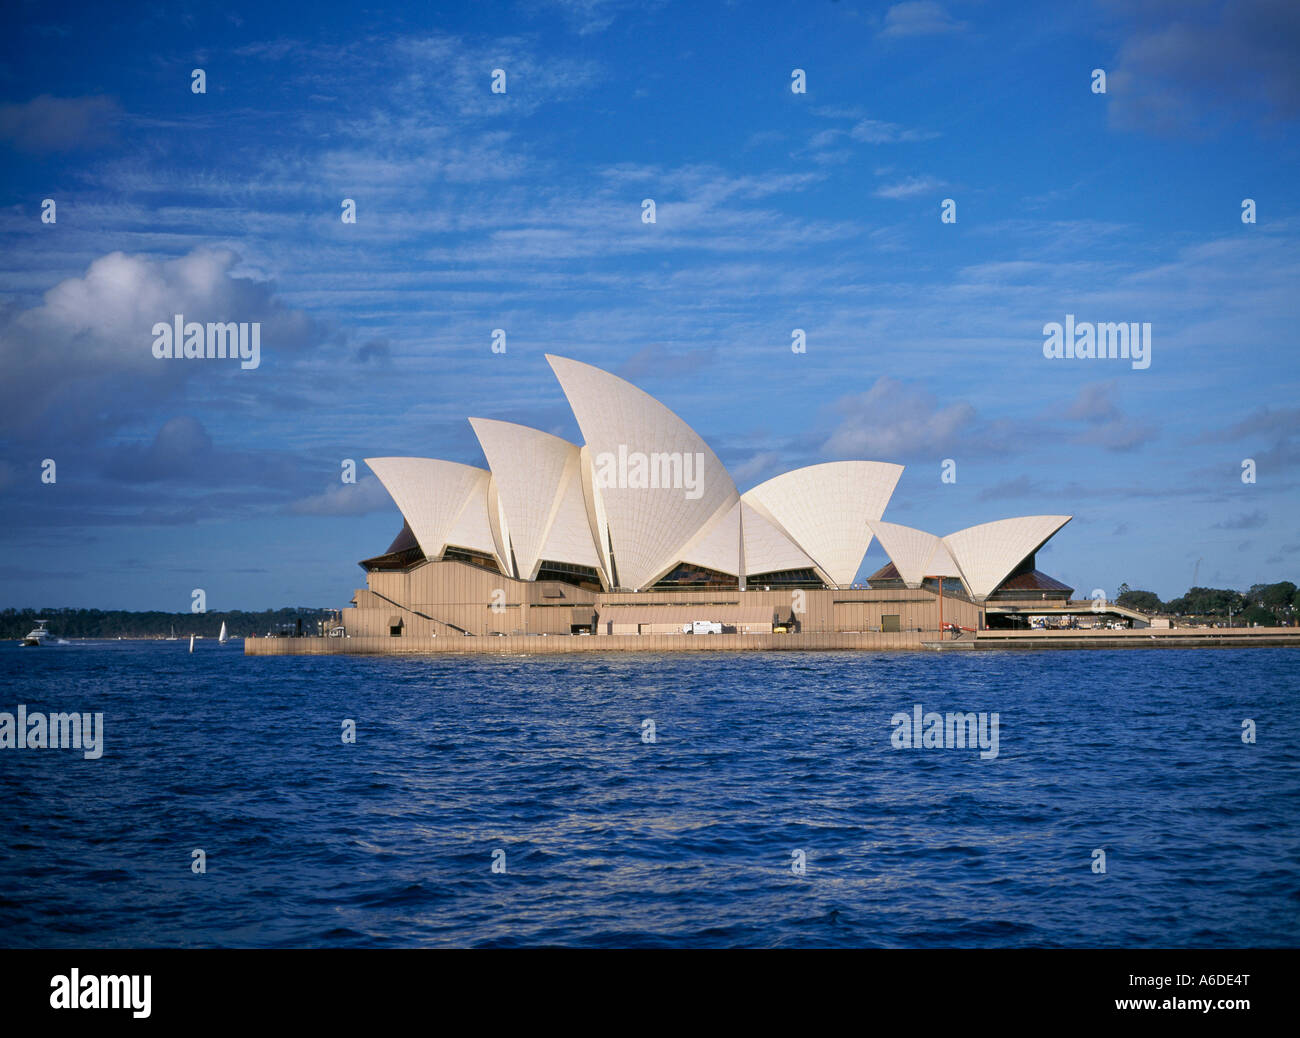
(874, 131)
(48, 124)
(893, 419)
(910, 187)
(919, 18)
(361, 498)
(1196, 67)
(82, 359)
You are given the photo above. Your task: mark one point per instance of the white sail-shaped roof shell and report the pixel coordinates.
(767, 549)
(443, 501)
(538, 479)
(650, 527)
(570, 538)
(824, 509)
(595, 514)
(988, 553)
(907, 547)
(719, 549)
(500, 528)
(473, 527)
(916, 554)
(941, 563)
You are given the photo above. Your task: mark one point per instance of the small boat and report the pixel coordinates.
(191, 643)
(36, 636)
(223, 637)
(172, 637)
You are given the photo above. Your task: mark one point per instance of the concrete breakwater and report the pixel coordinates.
(913, 641)
(1146, 638)
(515, 645)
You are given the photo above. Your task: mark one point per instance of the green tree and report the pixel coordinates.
(1277, 597)
(1258, 615)
(1142, 601)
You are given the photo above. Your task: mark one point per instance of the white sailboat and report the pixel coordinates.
(191, 643)
(223, 637)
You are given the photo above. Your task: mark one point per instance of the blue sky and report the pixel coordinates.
(522, 211)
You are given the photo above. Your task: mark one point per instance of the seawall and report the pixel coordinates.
(1143, 638)
(913, 641)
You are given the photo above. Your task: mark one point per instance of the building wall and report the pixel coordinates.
(630, 643)
(1001, 641)
(435, 598)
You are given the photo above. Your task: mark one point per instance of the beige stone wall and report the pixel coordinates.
(997, 641)
(438, 597)
(865, 611)
(530, 646)
(435, 599)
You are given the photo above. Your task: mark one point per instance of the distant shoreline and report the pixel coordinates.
(137, 638)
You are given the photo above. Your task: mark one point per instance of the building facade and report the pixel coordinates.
(641, 530)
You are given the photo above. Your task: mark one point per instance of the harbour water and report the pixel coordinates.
(544, 766)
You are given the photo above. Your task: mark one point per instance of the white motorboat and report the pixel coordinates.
(36, 636)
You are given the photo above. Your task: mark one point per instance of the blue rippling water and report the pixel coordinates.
(687, 841)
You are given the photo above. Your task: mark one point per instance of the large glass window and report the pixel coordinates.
(570, 573)
(785, 578)
(686, 574)
(474, 558)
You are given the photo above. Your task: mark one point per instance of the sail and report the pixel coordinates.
(223, 637)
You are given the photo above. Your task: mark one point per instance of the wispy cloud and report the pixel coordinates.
(588, 17)
(364, 497)
(874, 131)
(1201, 67)
(1248, 521)
(919, 18)
(1105, 425)
(910, 187)
(52, 124)
(893, 419)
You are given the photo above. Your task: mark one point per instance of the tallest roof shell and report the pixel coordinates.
(649, 526)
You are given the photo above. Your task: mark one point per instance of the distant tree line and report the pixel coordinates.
(119, 623)
(1269, 605)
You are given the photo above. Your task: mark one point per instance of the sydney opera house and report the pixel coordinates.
(640, 530)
